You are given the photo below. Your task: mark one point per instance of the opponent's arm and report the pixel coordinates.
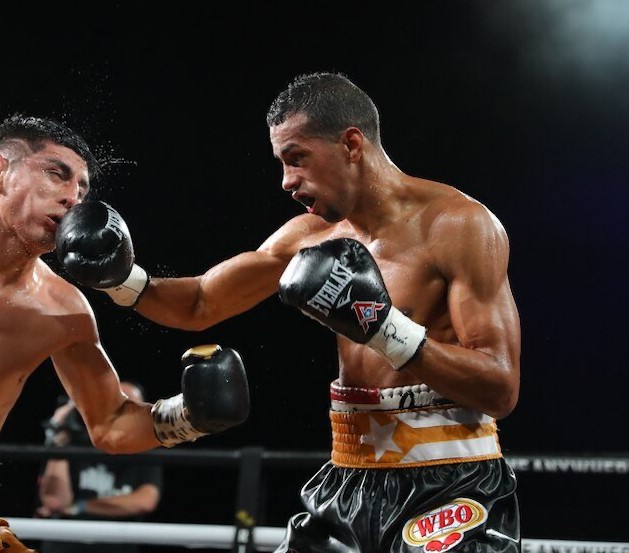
(215, 394)
(115, 423)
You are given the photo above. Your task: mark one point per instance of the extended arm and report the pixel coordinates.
(94, 244)
(196, 303)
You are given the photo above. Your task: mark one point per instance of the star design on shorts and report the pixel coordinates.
(380, 437)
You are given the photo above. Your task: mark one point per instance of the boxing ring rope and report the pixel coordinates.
(191, 536)
(245, 539)
(197, 536)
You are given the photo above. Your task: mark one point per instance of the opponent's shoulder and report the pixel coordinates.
(65, 298)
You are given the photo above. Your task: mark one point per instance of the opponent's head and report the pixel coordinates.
(45, 168)
(35, 132)
(330, 102)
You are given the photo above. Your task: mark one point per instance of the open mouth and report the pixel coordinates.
(53, 222)
(306, 201)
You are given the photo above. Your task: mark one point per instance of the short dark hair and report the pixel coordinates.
(35, 131)
(331, 103)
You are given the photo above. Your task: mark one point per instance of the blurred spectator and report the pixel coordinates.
(93, 490)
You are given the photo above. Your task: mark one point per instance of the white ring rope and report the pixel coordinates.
(197, 536)
(192, 536)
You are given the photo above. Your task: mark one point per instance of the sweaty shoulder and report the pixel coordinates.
(299, 232)
(64, 298)
(463, 231)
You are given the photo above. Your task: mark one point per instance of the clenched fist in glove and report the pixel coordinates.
(214, 396)
(339, 284)
(94, 244)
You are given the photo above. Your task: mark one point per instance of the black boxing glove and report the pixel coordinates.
(94, 244)
(339, 284)
(214, 397)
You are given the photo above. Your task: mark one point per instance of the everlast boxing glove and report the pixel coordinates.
(94, 244)
(214, 397)
(338, 284)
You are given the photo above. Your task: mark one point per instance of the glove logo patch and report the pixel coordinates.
(328, 295)
(114, 222)
(367, 312)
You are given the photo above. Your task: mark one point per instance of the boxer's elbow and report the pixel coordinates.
(504, 399)
(115, 442)
(106, 442)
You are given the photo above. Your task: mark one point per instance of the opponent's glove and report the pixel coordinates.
(94, 244)
(214, 397)
(338, 284)
(9, 541)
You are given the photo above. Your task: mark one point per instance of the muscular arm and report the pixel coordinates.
(482, 370)
(225, 290)
(115, 423)
(231, 287)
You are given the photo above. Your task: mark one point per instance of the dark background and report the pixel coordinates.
(523, 104)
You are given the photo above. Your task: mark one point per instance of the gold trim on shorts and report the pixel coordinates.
(368, 435)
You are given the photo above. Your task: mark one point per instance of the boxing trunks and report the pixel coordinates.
(410, 472)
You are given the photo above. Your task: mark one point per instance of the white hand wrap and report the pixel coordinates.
(128, 293)
(171, 424)
(399, 338)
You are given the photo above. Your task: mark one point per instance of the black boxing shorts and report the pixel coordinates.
(410, 472)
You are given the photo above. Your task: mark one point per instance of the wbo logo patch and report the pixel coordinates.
(444, 527)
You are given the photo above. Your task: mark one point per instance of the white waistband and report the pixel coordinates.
(350, 398)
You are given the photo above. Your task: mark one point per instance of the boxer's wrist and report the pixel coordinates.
(171, 423)
(399, 338)
(128, 293)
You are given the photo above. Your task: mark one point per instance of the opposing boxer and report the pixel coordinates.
(45, 170)
(412, 276)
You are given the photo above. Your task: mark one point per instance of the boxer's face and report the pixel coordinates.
(38, 188)
(316, 171)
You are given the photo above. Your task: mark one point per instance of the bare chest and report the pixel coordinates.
(30, 331)
(418, 289)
